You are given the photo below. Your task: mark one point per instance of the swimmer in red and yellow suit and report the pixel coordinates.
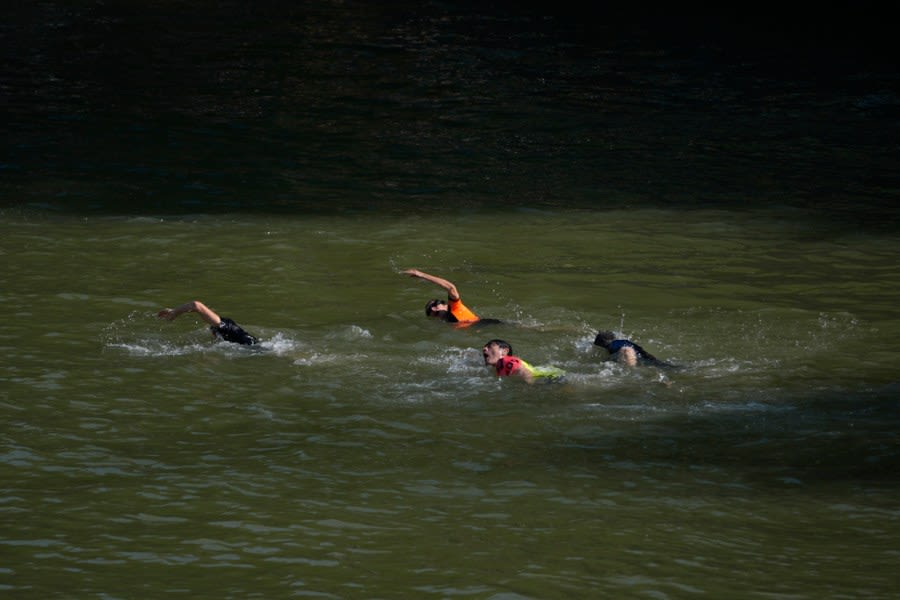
(453, 310)
(498, 354)
(221, 327)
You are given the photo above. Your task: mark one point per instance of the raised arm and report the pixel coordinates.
(206, 313)
(452, 293)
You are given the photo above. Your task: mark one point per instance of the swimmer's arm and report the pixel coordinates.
(452, 292)
(206, 313)
(525, 374)
(627, 356)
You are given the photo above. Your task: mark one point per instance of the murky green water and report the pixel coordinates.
(365, 451)
(729, 203)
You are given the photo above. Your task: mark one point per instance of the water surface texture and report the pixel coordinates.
(728, 199)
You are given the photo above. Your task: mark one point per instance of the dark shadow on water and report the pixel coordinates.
(361, 108)
(818, 442)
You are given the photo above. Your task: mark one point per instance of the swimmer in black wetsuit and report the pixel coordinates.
(626, 351)
(221, 327)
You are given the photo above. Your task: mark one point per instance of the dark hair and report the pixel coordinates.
(430, 305)
(604, 338)
(503, 345)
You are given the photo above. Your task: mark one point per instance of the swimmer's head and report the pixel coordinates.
(604, 338)
(494, 350)
(437, 308)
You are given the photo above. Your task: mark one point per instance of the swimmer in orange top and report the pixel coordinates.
(453, 310)
(498, 354)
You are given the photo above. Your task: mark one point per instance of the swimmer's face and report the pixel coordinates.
(492, 353)
(439, 310)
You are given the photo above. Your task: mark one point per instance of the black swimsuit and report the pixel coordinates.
(643, 356)
(230, 331)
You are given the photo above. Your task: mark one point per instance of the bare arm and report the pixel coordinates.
(525, 374)
(627, 356)
(206, 313)
(452, 293)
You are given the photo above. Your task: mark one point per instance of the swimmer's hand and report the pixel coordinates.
(412, 272)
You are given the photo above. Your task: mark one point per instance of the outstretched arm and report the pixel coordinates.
(452, 293)
(206, 313)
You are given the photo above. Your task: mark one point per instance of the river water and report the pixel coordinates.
(728, 202)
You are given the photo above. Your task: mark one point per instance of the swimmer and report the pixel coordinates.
(626, 352)
(221, 327)
(453, 310)
(498, 354)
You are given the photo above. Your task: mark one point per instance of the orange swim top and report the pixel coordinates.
(461, 312)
